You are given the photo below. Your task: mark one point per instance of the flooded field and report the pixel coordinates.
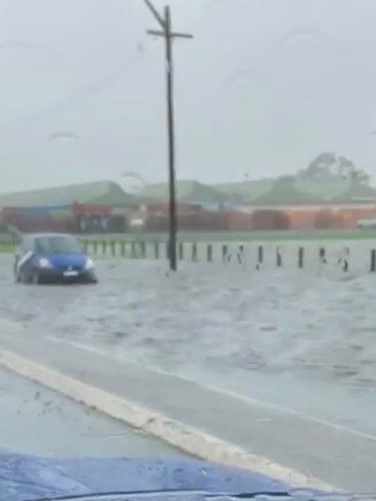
(304, 339)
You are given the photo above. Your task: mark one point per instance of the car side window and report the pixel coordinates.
(26, 246)
(30, 245)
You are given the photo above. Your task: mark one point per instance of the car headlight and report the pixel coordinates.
(89, 265)
(44, 263)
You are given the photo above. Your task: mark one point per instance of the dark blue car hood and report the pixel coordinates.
(31, 478)
(65, 260)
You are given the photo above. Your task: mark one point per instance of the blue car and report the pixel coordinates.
(28, 478)
(52, 258)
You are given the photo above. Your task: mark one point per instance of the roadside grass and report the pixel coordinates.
(8, 246)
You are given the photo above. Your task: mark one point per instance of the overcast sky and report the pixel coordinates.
(264, 86)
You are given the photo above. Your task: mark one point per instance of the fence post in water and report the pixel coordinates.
(278, 257)
(143, 250)
(260, 256)
(209, 253)
(346, 256)
(224, 253)
(343, 260)
(181, 251)
(322, 255)
(113, 248)
(301, 257)
(156, 250)
(133, 250)
(373, 261)
(122, 248)
(194, 251)
(241, 254)
(104, 247)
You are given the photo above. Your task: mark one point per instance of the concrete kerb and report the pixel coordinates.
(184, 437)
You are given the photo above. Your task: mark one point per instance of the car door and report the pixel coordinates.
(23, 257)
(16, 259)
(17, 255)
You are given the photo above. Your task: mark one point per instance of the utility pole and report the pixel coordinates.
(166, 32)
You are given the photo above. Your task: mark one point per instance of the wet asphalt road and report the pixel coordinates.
(302, 338)
(37, 421)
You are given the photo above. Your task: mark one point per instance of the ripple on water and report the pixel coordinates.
(210, 316)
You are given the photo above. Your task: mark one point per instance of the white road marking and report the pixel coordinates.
(187, 438)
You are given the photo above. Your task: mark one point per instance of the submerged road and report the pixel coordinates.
(37, 421)
(301, 339)
(273, 334)
(333, 454)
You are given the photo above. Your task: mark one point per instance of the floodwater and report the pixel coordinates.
(303, 339)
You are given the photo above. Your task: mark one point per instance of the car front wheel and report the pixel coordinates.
(19, 277)
(35, 278)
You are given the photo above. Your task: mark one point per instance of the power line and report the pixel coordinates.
(94, 87)
(100, 84)
(91, 89)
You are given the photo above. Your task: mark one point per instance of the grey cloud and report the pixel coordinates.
(264, 86)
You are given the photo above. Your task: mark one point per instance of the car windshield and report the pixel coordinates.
(187, 246)
(183, 495)
(58, 245)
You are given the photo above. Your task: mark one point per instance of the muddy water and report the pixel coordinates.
(304, 339)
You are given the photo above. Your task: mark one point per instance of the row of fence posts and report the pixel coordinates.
(139, 250)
